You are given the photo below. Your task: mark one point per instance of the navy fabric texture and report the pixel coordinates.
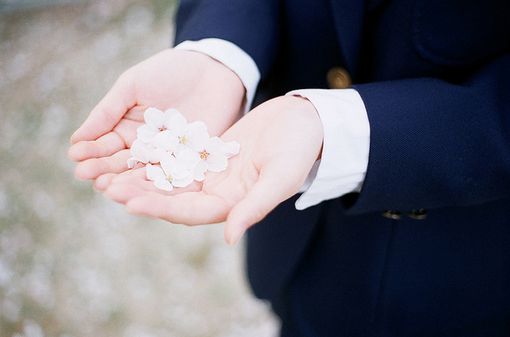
(435, 79)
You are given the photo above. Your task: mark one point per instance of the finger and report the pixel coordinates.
(130, 184)
(126, 129)
(138, 178)
(93, 168)
(192, 208)
(135, 113)
(122, 193)
(131, 176)
(103, 181)
(108, 111)
(268, 192)
(102, 147)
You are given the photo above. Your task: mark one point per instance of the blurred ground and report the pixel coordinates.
(73, 264)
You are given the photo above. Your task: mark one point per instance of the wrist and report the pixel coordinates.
(215, 94)
(302, 105)
(226, 80)
(233, 57)
(223, 75)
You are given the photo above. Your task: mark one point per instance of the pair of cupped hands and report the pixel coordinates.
(280, 141)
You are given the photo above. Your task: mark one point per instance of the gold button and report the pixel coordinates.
(339, 78)
(393, 215)
(418, 214)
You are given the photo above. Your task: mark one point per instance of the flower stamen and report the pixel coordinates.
(204, 154)
(183, 140)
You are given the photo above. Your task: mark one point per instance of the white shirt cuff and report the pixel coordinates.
(346, 145)
(232, 57)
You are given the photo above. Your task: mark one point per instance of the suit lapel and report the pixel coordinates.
(348, 16)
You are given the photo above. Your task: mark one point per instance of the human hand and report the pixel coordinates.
(195, 84)
(280, 141)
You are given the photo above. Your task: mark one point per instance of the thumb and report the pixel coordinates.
(273, 187)
(108, 111)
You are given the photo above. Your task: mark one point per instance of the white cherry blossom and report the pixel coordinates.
(169, 174)
(192, 161)
(191, 135)
(177, 126)
(145, 153)
(184, 151)
(215, 153)
(155, 122)
(166, 140)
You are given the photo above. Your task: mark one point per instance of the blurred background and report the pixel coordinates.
(72, 263)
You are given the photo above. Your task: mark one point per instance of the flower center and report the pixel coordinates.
(204, 154)
(183, 139)
(169, 178)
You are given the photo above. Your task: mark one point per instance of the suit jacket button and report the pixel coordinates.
(393, 215)
(338, 78)
(418, 214)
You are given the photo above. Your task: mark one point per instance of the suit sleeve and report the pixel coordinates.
(250, 24)
(437, 144)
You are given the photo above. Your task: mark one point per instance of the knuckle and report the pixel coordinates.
(108, 115)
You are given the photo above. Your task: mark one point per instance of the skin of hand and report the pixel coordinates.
(195, 84)
(280, 141)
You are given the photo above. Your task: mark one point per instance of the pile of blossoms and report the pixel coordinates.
(176, 152)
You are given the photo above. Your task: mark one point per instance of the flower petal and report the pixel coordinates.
(131, 162)
(163, 184)
(199, 171)
(216, 162)
(198, 126)
(176, 122)
(154, 172)
(140, 151)
(181, 174)
(182, 182)
(231, 149)
(153, 117)
(214, 145)
(197, 135)
(168, 164)
(146, 133)
(157, 155)
(166, 140)
(167, 115)
(187, 158)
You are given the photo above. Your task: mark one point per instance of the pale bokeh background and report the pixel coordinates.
(72, 263)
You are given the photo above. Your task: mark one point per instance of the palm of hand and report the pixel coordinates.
(183, 80)
(280, 141)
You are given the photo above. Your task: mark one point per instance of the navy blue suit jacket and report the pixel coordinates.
(435, 79)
